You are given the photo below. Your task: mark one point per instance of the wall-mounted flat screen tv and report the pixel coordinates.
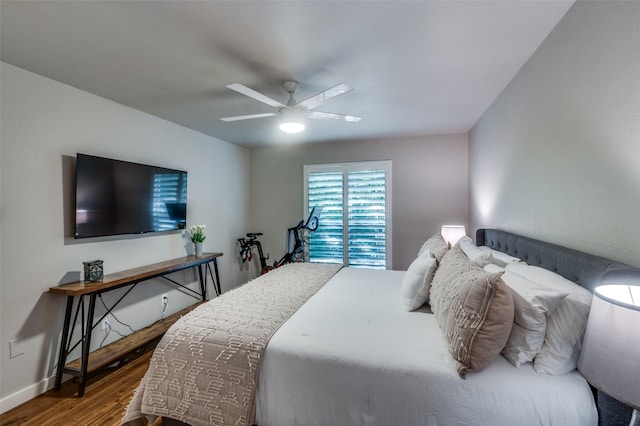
(115, 197)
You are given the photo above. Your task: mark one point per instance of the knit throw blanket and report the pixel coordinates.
(204, 371)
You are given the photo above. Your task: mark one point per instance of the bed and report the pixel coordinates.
(346, 352)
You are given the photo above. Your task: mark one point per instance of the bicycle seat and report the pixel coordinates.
(254, 234)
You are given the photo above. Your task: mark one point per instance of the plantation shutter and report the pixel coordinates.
(326, 244)
(367, 218)
(354, 225)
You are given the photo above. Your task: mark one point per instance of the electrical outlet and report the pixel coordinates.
(106, 324)
(164, 300)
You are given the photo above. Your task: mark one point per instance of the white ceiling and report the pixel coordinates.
(418, 67)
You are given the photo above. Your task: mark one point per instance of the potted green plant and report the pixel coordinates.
(197, 237)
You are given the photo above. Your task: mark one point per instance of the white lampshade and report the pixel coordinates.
(610, 358)
(452, 233)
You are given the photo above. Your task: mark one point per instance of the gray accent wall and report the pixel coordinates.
(557, 155)
(429, 187)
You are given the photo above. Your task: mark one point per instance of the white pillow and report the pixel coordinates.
(501, 258)
(424, 250)
(565, 327)
(493, 268)
(481, 256)
(532, 304)
(417, 281)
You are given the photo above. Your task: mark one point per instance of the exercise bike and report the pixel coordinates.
(295, 243)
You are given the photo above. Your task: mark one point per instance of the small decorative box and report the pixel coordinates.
(93, 271)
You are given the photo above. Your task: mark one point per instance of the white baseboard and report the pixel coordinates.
(26, 394)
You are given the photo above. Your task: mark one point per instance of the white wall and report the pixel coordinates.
(557, 156)
(429, 187)
(43, 124)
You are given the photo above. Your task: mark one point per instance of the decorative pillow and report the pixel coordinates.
(436, 245)
(417, 281)
(565, 327)
(474, 310)
(532, 304)
(481, 256)
(502, 259)
(455, 263)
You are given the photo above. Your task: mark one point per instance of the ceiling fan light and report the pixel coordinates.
(292, 126)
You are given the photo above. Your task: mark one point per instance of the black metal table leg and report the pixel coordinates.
(203, 283)
(217, 283)
(62, 355)
(86, 346)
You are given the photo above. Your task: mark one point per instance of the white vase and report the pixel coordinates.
(198, 249)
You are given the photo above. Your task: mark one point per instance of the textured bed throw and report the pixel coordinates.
(204, 370)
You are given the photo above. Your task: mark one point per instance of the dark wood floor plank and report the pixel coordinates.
(104, 402)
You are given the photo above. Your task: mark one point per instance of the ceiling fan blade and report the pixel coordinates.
(333, 116)
(321, 97)
(241, 88)
(248, 117)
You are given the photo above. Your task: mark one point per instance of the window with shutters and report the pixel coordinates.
(355, 224)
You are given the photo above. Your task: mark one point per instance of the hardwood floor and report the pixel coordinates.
(106, 397)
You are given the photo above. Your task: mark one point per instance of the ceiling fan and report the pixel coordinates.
(293, 113)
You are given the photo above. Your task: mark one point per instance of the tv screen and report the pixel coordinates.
(116, 197)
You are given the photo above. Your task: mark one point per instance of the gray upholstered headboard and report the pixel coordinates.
(584, 269)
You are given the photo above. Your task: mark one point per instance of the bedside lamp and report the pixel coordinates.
(452, 233)
(610, 358)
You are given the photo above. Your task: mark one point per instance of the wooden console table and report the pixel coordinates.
(90, 362)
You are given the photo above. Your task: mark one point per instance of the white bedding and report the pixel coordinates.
(353, 356)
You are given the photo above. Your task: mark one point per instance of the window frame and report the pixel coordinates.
(345, 168)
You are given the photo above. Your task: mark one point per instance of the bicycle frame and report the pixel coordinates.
(246, 254)
(294, 237)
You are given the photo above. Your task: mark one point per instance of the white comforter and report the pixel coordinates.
(352, 356)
